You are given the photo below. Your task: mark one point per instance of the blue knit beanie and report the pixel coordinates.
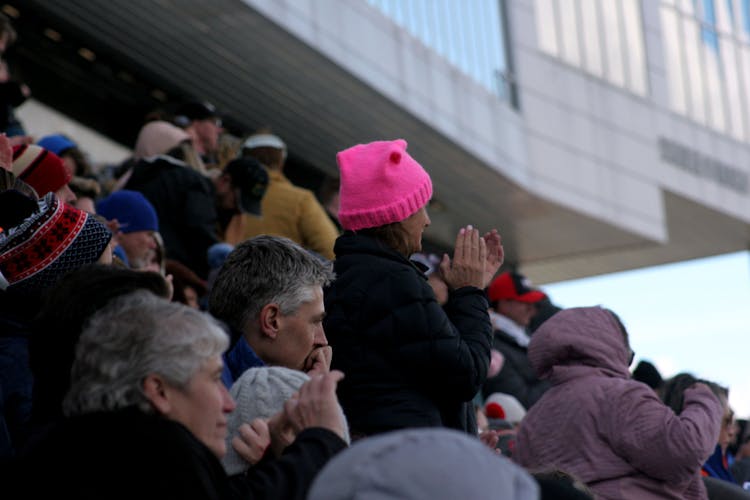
(56, 143)
(131, 209)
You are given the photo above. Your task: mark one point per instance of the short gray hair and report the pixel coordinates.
(264, 270)
(133, 336)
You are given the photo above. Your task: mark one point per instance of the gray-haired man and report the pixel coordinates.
(269, 291)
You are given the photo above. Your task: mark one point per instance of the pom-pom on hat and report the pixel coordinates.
(39, 168)
(503, 406)
(131, 209)
(380, 184)
(55, 239)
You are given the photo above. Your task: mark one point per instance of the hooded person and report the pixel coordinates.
(409, 362)
(261, 393)
(606, 429)
(37, 247)
(439, 464)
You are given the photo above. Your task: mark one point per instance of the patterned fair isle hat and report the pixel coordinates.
(55, 239)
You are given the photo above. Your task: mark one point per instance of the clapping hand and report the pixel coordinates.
(495, 255)
(475, 259)
(252, 440)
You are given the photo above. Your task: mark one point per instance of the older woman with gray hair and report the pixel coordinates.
(147, 415)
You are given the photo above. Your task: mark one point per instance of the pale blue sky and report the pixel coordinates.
(691, 316)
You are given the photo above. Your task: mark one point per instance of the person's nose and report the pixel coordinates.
(229, 404)
(320, 336)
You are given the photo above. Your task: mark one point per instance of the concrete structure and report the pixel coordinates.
(604, 164)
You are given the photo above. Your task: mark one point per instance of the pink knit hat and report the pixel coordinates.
(380, 184)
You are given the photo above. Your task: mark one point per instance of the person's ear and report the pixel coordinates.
(156, 391)
(270, 320)
(226, 179)
(222, 182)
(500, 307)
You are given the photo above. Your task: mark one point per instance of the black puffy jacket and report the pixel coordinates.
(517, 377)
(408, 362)
(185, 204)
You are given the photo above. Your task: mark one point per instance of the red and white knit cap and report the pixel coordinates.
(503, 406)
(39, 168)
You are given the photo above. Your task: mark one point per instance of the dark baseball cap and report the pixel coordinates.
(197, 110)
(251, 179)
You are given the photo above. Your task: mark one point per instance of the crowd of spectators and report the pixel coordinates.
(189, 323)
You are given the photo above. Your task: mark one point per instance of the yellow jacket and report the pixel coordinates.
(288, 211)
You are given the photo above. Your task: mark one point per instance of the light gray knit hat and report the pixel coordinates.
(412, 464)
(260, 393)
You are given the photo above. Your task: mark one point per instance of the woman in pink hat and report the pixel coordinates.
(408, 361)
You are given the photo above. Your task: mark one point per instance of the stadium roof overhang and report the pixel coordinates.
(107, 63)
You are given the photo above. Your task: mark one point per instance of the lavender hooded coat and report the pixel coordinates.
(608, 430)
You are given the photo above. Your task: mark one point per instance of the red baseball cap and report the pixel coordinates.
(513, 286)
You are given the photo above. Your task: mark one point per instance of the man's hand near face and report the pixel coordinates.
(319, 360)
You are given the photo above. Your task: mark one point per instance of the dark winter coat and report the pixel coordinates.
(185, 204)
(16, 379)
(128, 454)
(408, 362)
(516, 377)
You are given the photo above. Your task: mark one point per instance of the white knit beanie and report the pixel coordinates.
(260, 393)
